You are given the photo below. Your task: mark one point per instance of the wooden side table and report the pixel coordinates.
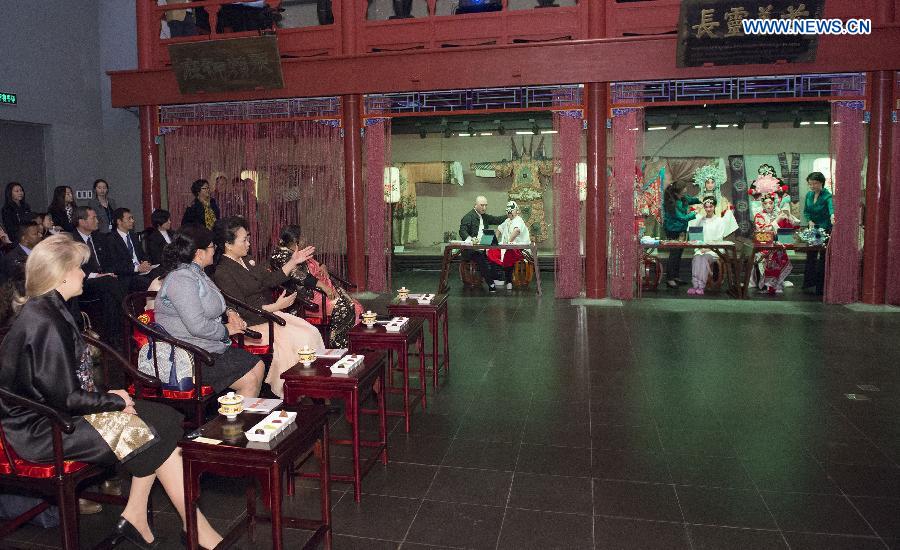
(377, 338)
(267, 462)
(434, 313)
(317, 381)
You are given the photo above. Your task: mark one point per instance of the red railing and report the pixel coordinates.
(352, 33)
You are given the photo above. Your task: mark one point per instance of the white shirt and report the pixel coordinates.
(134, 258)
(480, 227)
(165, 235)
(93, 249)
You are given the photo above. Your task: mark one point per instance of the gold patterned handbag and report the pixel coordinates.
(126, 434)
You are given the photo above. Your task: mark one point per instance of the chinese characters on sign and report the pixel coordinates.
(7, 98)
(227, 65)
(712, 32)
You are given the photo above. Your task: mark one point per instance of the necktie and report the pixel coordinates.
(130, 246)
(90, 243)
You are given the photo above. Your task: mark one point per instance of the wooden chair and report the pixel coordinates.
(62, 480)
(469, 274)
(192, 403)
(266, 350)
(319, 317)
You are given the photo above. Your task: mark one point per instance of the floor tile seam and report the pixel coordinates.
(844, 494)
(752, 481)
(558, 512)
(431, 484)
(864, 435)
(512, 479)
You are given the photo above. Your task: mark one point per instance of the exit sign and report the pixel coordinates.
(7, 98)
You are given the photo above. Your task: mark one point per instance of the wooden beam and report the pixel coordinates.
(603, 60)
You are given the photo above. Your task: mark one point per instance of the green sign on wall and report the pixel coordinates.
(7, 98)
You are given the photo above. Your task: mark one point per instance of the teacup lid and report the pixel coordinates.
(231, 398)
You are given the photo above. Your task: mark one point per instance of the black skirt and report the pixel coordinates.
(167, 424)
(228, 368)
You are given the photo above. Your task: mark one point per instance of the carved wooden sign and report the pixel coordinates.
(712, 32)
(234, 65)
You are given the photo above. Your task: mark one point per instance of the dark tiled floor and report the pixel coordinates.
(663, 424)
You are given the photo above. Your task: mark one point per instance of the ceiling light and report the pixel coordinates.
(486, 134)
(699, 126)
(821, 123)
(805, 123)
(523, 133)
(548, 131)
(463, 134)
(651, 128)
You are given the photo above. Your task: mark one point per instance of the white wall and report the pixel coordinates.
(55, 57)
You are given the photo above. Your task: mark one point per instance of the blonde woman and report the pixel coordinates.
(45, 359)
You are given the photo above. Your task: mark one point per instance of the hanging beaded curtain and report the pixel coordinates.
(627, 126)
(566, 207)
(848, 140)
(276, 174)
(892, 284)
(378, 131)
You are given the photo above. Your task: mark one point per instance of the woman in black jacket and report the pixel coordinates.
(205, 210)
(158, 235)
(62, 208)
(45, 359)
(15, 210)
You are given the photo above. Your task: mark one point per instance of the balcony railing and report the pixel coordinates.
(312, 28)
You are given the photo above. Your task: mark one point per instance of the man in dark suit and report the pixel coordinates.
(99, 282)
(126, 255)
(29, 235)
(471, 227)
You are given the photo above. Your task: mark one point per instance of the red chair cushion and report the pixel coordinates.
(25, 468)
(139, 337)
(254, 349)
(171, 394)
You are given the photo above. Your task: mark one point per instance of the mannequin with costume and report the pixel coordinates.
(715, 229)
(710, 180)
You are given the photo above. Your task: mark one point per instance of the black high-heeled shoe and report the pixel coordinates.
(184, 542)
(126, 530)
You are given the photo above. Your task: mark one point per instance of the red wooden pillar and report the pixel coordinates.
(878, 188)
(150, 186)
(892, 285)
(354, 195)
(595, 206)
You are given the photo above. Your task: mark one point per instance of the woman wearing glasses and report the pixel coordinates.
(190, 307)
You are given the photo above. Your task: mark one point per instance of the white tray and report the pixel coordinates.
(347, 364)
(396, 324)
(271, 429)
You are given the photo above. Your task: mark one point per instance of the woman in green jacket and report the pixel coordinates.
(818, 209)
(676, 214)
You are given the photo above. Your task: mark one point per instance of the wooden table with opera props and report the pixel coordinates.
(224, 450)
(318, 382)
(450, 257)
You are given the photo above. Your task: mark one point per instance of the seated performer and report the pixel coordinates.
(242, 278)
(715, 228)
(774, 265)
(471, 227)
(44, 358)
(512, 231)
(343, 311)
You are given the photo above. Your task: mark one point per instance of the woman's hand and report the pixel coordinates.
(329, 292)
(235, 324)
(284, 300)
(298, 257)
(812, 224)
(129, 402)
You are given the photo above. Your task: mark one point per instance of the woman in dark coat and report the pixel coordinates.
(158, 235)
(240, 277)
(45, 359)
(205, 210)
(15, 210)
(62, 208)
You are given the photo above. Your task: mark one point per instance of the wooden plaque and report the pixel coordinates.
(233, 65)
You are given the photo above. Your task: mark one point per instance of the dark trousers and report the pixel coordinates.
(479, 258)
(673, 263)
(814, 271)
(110, 292)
